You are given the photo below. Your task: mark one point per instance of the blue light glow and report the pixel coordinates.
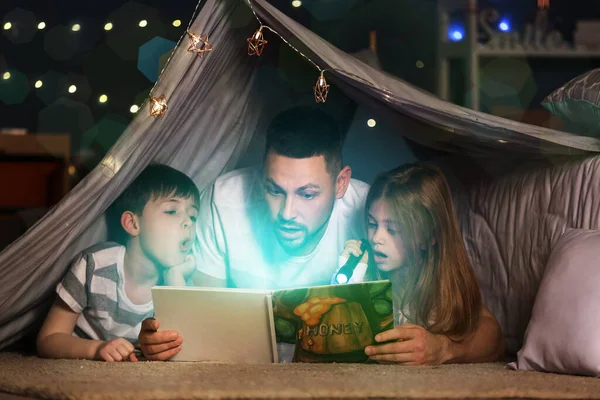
(456, 32)
(504, 25)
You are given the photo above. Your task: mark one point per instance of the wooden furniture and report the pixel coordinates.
(531, 43)
(34, 170)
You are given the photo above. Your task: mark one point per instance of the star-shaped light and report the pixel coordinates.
(199, 44)
(321, 89)
(159, 106)
(256, 43)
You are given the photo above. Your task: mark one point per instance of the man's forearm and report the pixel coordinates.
(485, 345)
(63, 345)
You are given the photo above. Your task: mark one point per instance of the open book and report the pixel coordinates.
(332, 323)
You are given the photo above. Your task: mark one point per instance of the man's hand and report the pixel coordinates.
(176, 275)
(118, 349)
(158, 346)
(353, 247)
(413, 345)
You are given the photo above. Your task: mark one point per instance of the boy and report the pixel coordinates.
(106, 294)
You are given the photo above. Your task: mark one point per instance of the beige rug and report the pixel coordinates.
(69, 379)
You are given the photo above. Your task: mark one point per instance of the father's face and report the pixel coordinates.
(300, 193)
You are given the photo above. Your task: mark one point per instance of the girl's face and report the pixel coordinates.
(388, 249)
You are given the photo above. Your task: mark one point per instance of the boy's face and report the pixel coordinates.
(167, 229)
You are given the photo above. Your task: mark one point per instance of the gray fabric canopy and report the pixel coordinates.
(216, 110)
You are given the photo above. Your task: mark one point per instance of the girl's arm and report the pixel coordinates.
(56, 339)
(485, 345)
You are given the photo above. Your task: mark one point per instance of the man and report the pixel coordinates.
(281, 226)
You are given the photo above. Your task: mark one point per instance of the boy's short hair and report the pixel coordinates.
(154, 182)
(306, 131)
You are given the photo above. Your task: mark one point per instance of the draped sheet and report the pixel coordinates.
(215, 111)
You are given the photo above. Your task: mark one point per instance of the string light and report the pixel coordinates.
(296, 3)
(321, 89)
(72, 89)
(108, 26)
(6, 76)
(133, 109)
(177, 23)
(371, 123)
(41, 25)
(7, 26)
(76, 27)
(38, 84)
(103, 98)
(159, 107)
(256, 43)
(199, 44)
(143, 23)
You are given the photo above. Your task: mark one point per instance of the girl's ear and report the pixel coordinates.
(129, 222)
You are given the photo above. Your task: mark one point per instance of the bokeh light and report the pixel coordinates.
(72, 89)
(149, 56)
(108, 26)
(371, 123)
(50, 90)
(177, 23)
(143, 23)
(21, 24)
(41, 25)
(103, 98)
(14, 87)
(296, 3)
(76, 27)
(128, 36)
(38, 84)
(133, 109)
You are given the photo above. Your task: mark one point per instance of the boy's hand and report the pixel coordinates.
(175, 275)
(353, 247)
(118, 349)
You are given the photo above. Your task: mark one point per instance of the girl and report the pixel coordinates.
(416, 243)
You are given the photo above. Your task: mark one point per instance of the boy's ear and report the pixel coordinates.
(130, 223)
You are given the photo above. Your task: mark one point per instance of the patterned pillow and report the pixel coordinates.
(578, 103)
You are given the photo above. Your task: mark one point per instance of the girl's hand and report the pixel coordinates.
(353, 247)
(412, 345)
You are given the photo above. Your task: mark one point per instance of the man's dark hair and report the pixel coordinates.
(306, 131)
(154, 182)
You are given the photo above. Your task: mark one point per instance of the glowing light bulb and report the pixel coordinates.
(133, 109)
(177, 23)
(371, 123)
(6, 75)
(103, 98)
(72, 89)
(7, 26)
(143, 23)
(76, 27)
(41, 25)
(296, 3)
(38, 84)
(108, 26)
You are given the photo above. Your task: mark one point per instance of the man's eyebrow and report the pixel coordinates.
(309, 186)
(272, 182)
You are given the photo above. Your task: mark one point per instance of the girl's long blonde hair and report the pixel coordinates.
(441, 292)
